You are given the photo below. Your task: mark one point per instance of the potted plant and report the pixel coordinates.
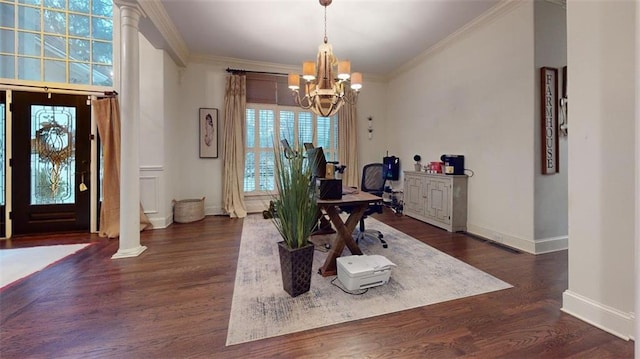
(295, 216)
(417, 165)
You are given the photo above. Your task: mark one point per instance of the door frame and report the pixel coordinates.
(3, 101)
(94, 189)
(8, 143)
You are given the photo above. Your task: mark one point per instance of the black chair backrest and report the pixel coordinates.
(373, 178)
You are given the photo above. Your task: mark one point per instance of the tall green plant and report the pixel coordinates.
(296, 209)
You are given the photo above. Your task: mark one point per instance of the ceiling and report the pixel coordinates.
(377, 36)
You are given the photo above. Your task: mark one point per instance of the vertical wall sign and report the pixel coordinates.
(549, 120)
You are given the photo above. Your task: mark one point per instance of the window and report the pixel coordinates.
(268, 123)
(60, 41)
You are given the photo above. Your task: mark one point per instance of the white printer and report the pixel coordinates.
(363, 271)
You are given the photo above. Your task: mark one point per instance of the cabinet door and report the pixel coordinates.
(414, 201)
(438, 199)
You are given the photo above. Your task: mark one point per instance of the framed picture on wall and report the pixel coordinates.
(208, 132)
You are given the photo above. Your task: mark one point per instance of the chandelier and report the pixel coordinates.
(325, 93)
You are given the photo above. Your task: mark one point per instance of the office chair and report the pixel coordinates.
(373, 180)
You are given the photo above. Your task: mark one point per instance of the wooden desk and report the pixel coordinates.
(360, 201)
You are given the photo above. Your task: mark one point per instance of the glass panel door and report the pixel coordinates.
(52, 155)
(51, 163)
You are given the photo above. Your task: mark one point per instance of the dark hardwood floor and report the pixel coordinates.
(173, 301)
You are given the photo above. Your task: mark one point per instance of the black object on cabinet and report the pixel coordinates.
(391, 167)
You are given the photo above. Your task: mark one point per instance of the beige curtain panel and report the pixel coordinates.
(348, 142)
(107, 114)
(235, 105)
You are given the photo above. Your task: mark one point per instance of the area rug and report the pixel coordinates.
(18, 263)
(262, 309)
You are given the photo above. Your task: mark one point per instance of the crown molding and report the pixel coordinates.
(491, 15)
(242, 63)
(251, 65)
(173, 42)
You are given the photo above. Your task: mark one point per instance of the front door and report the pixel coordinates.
(51, 162)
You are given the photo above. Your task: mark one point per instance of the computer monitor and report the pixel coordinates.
(317, 162)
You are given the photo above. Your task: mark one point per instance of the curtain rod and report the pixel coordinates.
(241, 71)
(46, 89)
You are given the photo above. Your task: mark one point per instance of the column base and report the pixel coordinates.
(133, 252)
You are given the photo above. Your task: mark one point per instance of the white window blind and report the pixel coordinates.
(268, 123)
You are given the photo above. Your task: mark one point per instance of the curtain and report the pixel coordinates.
(107, 113)
(235, 104)
(348, 141)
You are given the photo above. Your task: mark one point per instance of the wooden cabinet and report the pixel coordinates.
(437, 199)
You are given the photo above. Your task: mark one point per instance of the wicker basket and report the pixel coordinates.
(188, 210)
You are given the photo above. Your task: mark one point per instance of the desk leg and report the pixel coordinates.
(343, 237)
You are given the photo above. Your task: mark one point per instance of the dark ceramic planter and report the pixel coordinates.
(295, 265)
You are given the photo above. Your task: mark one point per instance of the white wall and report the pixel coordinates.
(475, 97)
(171, 105)
(152, 140)
(371, 103)
(201, 86)
(158, 108)
(601, 45)
(551, 208)
(152, 116)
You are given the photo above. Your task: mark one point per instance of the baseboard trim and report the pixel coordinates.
(609, 319)
(522, 244)
(213, 211)
(538, 246)
(554, 244)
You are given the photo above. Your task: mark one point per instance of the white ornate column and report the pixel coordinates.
(130, 14)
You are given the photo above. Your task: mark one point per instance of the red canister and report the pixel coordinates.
(436, 167)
